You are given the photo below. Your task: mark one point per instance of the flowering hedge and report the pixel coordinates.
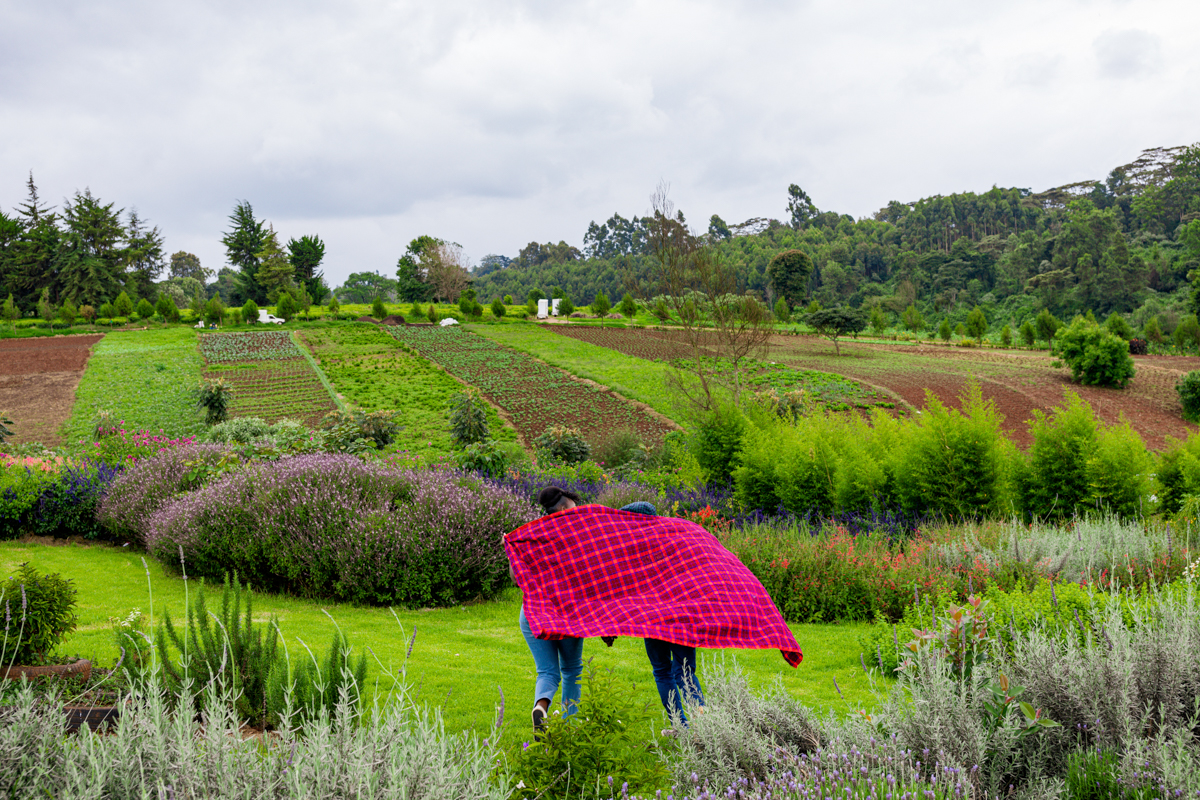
(335, 526)
(51, 497)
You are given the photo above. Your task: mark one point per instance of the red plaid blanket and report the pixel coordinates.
(595, 571)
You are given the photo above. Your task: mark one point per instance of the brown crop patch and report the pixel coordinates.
(38, 378)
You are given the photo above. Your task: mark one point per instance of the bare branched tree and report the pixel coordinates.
(448, 271)
(722, 327)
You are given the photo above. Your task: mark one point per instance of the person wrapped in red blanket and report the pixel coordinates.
(596, 571)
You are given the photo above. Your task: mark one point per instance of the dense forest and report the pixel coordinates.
(1124, 244)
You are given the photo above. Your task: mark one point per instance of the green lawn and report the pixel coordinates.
(634, 378)
(461, 655)
(368, 368)
(145, 378)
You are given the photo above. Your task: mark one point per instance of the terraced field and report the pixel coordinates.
(532, 394)
(370, 369)
(270, 376)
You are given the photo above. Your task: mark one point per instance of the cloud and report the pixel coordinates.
(1128, 54)
(497, 123)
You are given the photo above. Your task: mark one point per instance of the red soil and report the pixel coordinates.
(38, 377)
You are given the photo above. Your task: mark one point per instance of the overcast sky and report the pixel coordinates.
(496, 123)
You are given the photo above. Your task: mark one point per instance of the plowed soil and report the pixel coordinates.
(1018, 381)
(38, 377)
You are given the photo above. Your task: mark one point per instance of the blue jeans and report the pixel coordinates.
(674, 668)
(555, 657)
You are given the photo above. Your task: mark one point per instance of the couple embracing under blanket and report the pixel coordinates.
(588, 570)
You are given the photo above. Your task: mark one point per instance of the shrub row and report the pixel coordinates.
(946, 462)
(324, 525)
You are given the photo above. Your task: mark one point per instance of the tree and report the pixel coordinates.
(88, 313)
(143, 255)
(123, 305)
(250, 312)
(879, 320)
(243, 242)
(717, 229)
(1006, 336)
(498, 309)
(275, 271)
(10, 312)
(1153, 330)
(186, 265)
(692, 278)
(334, 305)
(1028, 334)
(788, 272)
(378, 309)
(214, 311)
(144, 309)
(833, 323)
(45, 307)
(1096, 357)
(1047, 324)
(977, 324)
(600, 305)
(944, 332)
(412, 270)
(306, 255)
(363, 287)
(67, 313)
(90, 260)
(166, 308)
(628, 306)
(1117, 326)
(448, 272)
(800, 207)
(782, 312)
(285, 307)
(914, 320)
(303, 300)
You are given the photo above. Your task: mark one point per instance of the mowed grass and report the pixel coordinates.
(368, 368)
(634, 378)
(462, 657)
(144, 378)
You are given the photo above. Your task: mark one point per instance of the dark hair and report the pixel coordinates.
(550, 498)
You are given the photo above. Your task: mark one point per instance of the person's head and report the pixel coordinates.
(554, 499)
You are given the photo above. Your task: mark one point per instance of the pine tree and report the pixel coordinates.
(243, 242)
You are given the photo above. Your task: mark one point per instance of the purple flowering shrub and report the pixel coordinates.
(332, 525)
(143, 487)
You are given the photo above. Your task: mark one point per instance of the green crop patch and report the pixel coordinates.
(270, 377)
(534, 395)
(371, 369)
(145, 379)
(254, 346)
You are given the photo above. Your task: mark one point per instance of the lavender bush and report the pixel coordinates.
(60, 502)
(145, 486)
(332, 525)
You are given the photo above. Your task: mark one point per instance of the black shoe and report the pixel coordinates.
(539, 718)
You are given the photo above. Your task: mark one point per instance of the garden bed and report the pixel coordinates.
(38, 378)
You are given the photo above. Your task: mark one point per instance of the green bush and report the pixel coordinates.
(628, 306)
(355, 431)
(1095, 356)
(717, 441)
(144, 309)
(561, 445)
(213, 396)
(250, 312)
(1188, 388)
(944, 331)
(1117, 326)
(37, 611)
(285, 307)
(498, 309)
(468, 418)
(378, 309)
(611, 737)
(601, 305)
(1028, 335)
(486, 456)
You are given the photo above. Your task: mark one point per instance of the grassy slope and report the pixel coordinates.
(634, 378)
(368, 368)
(144, 378)
(461, 655)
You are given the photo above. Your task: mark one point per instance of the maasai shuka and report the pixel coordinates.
(595, 571)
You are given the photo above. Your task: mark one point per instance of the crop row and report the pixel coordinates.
(228, 348)
(533, 395)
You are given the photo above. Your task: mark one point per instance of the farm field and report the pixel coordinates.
(1018, 381)
(533, 394)
(460, 656)
(38, 378)
(270, 376)
(830, 389)
(368, 368)
(144, 378)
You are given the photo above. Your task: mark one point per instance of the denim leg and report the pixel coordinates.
(570, 663)
(683, 670)
(545, 659)
(659, 653)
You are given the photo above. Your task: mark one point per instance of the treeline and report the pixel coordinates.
(1124, 244)
(92, 255)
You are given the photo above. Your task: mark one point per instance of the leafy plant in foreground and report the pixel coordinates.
(468, 418)
(214, 398)
(37, 611)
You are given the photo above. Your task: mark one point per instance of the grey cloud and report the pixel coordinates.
(1128, 54)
